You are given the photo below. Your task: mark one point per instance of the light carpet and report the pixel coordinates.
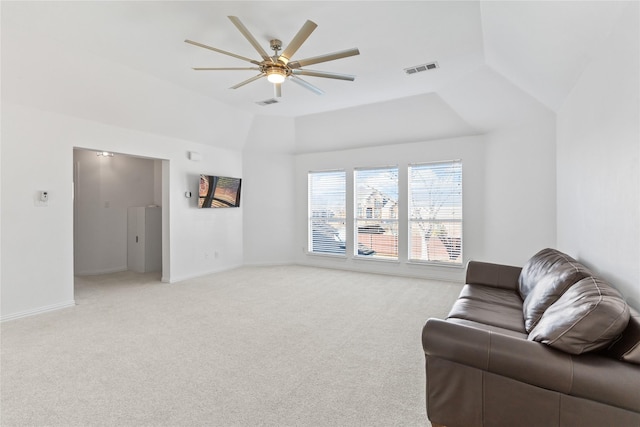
(253, 346)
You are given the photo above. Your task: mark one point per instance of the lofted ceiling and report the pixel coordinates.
(541, 47)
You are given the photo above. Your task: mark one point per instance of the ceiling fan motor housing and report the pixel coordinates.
(277, 70)
(276, 45)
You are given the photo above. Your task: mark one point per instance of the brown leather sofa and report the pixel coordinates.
(549, 344)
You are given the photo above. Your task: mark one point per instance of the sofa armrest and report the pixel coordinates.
(517, 358)
(495, 275)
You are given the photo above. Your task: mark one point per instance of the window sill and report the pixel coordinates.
(327, 255)
(372, 259)
(436, 264)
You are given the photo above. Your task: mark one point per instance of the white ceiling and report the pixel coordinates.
(541, 47)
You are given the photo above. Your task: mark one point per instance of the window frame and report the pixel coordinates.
(453, 244)
(373, 214)
(330, 237)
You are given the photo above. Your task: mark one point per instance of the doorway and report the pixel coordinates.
(106, 186)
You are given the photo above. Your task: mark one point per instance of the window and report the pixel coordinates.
(435, 212)
(327, 212)
(376, 212)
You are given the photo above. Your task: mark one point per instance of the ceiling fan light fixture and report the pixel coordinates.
(276, 75)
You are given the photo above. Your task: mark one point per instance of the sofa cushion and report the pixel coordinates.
(488, 313)
(544, 278)
(490, 294)
(588, 316)
(627, 346)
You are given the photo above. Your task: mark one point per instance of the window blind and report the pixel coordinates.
(327, 212)
(435, 212)
(376, 212)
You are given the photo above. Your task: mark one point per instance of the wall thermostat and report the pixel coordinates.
(44, 196)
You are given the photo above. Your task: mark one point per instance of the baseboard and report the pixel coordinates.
(425, 275)
(175, 279)
(38, 310)
(99, 272)
(267, 264)
(429, 275)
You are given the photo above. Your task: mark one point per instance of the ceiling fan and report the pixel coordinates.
(279, 67)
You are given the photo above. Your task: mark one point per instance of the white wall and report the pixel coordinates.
(157, 182)
(37, 254)
(598, 162)
(104, 188)
(520, 189)
(416, 118)
(520, 172)
(268, 191)
(37, 242)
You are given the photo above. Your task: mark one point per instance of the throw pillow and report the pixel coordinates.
(588, 316)
(544, 278)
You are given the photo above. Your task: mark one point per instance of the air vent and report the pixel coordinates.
(267, 102)
(421, 68)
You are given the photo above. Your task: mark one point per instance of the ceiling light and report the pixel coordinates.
(104, 154)
(276, 75)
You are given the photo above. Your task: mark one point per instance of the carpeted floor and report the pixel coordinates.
(254, 346)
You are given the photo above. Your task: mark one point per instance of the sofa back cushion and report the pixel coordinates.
(627, 347)
(590, 315)
(544, 278)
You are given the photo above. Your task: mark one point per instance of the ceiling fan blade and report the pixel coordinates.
(232, 68)
(252, 79)
(245, 32)
(324, 58)
(277, 90)
(306, 85)
(326, 74)
(297, 41)
(222, 51)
